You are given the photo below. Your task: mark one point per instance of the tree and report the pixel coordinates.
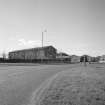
(4, 55)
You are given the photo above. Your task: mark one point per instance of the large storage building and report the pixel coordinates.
(47, 52)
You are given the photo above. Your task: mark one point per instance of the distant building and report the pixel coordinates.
(102, 59)
(47, 52)
(89, 59)
(98, 58)
(86, 58)
(75, 59)
(62, 55)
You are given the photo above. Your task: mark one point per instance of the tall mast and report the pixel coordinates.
(42, 39)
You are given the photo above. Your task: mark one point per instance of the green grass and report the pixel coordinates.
(79, 86)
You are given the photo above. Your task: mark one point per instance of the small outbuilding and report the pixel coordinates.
(75, 59)
(102, 59)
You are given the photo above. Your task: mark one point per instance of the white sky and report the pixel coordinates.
(73, 26)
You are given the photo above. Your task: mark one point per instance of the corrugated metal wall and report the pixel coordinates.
(36, 53)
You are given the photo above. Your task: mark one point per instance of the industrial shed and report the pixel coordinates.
(47, 52)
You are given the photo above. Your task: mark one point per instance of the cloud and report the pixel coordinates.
(29, 43)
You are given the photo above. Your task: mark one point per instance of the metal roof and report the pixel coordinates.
(36, 48)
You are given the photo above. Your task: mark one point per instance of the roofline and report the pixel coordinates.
(31, 49)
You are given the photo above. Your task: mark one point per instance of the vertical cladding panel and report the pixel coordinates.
(27, 54)
(47, 53)
(30, 54)
(14, 55)
(20, 55)
(50, 53)
(35, 53)
(41, 54)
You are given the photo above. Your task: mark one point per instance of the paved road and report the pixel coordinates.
(17, 83)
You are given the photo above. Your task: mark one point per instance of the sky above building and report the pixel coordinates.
(72, 26)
